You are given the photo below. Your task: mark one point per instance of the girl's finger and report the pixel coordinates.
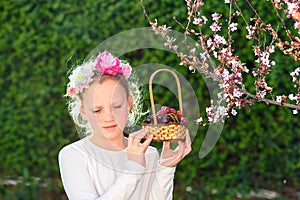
(130, 139)
(136, 137)
(147, 142)
(139, 132)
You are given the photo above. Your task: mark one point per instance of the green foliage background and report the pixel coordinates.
(41, 40)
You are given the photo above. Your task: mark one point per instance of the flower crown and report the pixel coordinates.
(105, 63)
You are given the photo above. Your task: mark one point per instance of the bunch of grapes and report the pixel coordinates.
(167, 115)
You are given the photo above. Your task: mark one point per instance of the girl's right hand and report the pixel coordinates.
(135, 149)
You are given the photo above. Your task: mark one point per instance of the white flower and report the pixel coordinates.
(233, 112)
(197, 21)
(279, 99)
(200, 120)
(216, 16)
(295, 112)
(292, 97)
(233, 27)
(204, 19)
(81, 77)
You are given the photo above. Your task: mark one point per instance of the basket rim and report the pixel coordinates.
(171, 123)
(151, 91)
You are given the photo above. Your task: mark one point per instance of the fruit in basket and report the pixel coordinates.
(167, 115)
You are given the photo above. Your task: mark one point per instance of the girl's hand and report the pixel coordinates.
(135, 149)
(169, 157)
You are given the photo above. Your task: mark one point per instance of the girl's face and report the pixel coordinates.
(106, 107)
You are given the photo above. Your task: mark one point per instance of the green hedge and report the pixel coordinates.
(41, 40)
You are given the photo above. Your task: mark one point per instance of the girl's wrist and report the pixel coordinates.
(138, 158)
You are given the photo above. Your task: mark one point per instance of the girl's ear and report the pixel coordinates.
(129, 103)
(82, 112)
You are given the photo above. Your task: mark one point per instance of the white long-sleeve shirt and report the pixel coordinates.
(90, 172)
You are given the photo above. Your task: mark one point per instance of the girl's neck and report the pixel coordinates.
(118, 144)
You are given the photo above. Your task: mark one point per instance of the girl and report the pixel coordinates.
(103, 99)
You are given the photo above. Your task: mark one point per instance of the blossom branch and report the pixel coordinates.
(230, 70)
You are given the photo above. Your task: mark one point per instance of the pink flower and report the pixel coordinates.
(106, 60)
(233, 112)
(71, 91)
(250, 30)
(216, 16)
(197, 21)
(108, 64)
(219, 40)
(204, 19)
(215, 27)
(233, 27)
(126, 70)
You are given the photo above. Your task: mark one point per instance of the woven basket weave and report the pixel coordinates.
(170, 131)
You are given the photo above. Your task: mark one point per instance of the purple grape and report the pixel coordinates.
(165, 120)
(159, 118)
(148, 119)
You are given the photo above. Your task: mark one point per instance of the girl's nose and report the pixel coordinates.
(108, 115)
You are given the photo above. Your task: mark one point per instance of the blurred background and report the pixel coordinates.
(256, 157)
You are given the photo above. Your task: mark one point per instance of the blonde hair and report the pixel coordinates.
(132, 89)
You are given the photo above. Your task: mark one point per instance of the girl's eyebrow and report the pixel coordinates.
(98, 106)
(118, 101)
(115, 102)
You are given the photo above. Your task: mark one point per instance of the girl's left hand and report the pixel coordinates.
(135, 149)
(170, 157)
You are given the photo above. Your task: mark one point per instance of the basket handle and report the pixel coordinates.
(151, 91)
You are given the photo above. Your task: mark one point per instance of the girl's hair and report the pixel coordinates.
(132, 89)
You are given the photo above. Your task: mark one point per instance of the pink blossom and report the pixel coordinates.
(250, 30)
(199, 121)
(219, 40)
(106, 60)
(209, 42)
(215, 27)
(208, 110)
(216, 16)
(113, 70)
(256, 50)
(237, 93)
(292, 97)
(238, 104)
(233, 112)
(204, 19)
(197, 21)
(71, 91)
(261, 94)
(233, 27)
(278, 99)
(126, 70)
(108, 64)
(297, 26)
(271, 49)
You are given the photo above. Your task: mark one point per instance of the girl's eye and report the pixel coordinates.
(119, 106)
(96, 111)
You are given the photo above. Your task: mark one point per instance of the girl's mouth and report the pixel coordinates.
(110, 127)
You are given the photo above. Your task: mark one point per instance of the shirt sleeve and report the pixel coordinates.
(163, 183)
(78, 183)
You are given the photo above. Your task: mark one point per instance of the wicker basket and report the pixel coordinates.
(170, 131)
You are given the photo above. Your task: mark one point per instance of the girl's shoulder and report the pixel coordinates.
(75, 148)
